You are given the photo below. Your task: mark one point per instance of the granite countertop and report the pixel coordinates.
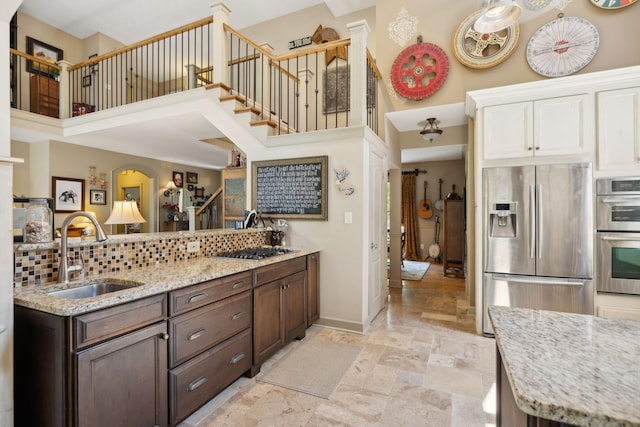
(577, 369)
(153, 280)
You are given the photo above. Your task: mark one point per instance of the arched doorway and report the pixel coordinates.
(136, 182)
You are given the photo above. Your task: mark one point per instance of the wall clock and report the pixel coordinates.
(419, 70)
(612, 4)
(480, 50)
(562, 46)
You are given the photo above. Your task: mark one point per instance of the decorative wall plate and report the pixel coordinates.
(480, 50)
(562, 46)
(419, 70)
(612, 4)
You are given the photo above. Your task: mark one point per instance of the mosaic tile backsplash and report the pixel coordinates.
(36, 264)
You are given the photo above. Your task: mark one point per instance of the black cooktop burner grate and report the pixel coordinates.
(255, 253)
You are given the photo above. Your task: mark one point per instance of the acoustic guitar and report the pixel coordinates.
(425, 205)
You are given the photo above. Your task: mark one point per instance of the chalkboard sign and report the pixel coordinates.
(291, 188)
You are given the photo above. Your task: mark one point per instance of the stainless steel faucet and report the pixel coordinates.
(65, 268)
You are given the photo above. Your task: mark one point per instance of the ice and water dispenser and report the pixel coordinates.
(502, 220)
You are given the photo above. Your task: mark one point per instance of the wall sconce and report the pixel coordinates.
(125, 212)
(170, 189)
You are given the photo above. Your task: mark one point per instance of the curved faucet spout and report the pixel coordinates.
(64, 267)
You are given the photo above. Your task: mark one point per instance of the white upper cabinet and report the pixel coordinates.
(544, 127)
(618, 133)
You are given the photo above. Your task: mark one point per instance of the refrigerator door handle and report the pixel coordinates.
(539, 280)
(540, 225)
(532, 222)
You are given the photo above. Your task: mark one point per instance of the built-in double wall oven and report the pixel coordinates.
(618, 235)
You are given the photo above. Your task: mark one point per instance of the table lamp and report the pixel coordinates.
(125, 212)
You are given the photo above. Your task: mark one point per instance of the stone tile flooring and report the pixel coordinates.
(422, 364)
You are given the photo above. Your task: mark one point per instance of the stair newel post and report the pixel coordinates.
(305, 77)
(267, 90)
(219, 42)
(358, 32)
(65, 83)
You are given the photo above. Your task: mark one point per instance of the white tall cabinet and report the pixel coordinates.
(618, 130)
(591, 117)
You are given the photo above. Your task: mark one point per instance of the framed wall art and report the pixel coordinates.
(192, 178)
(178, 179)
(98, 197)
(46, 53)
(68, 194)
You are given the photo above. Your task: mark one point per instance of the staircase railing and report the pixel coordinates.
(207, 215)
(301, 91)
(170, 62)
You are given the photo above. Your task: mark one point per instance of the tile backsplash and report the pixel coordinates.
(36, 264)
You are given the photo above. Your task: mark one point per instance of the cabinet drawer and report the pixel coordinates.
(197, 381)
(200, 329)
(207, 292)
(97, 326)
(279, 270)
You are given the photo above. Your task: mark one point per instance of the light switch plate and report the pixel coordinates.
(348, 218)
(193, 246)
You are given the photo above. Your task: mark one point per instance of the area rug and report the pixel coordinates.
(414, 270)
(315, 367)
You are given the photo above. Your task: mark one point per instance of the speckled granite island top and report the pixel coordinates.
(153, 280)
(573, 368)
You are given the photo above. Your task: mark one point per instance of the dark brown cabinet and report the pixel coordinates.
(113, 373)
(210, 341)
(279, 308)
(454, 236)
(45, 96)
(123, 382)
(313, 288)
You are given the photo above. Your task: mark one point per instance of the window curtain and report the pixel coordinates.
(409, 217)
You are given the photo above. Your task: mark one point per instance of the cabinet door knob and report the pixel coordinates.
(163, 336)
(537, 148)
(529, 148)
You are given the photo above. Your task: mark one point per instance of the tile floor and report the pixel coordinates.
(422, 364)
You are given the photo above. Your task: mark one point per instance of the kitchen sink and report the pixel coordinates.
(93, 289)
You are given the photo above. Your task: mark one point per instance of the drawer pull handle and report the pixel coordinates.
(197, 383)
(197, 297)
(238, 357)
(238, 285)
(163, 336)
(195, 335)
(237, 315)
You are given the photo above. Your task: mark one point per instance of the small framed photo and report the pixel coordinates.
(86, 80)
(98, 197)
(177, 179)
(190, 187)
(199, 192)
(192, 178)
(68, 194)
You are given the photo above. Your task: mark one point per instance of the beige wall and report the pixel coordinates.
(618, 31)
(73, 161)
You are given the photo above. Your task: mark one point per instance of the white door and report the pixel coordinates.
(376, 207)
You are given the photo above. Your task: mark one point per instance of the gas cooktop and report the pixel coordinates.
(256, 253)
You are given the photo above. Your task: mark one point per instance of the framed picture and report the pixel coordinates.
(68, 194)
(190, 187)
(177, 179)
(199, 193)
(45, 53)
(132, 193)
(86, 80)
(98, 197)
(192, 178)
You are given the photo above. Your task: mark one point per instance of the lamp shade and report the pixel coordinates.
(125, 212)
(171, 185)
(497, 16)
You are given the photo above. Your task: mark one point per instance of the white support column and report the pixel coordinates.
(218, 42)
(305, 77)
(358, 32)
(65, 83)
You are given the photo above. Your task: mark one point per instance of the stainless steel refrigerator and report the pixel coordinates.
(538, 238)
